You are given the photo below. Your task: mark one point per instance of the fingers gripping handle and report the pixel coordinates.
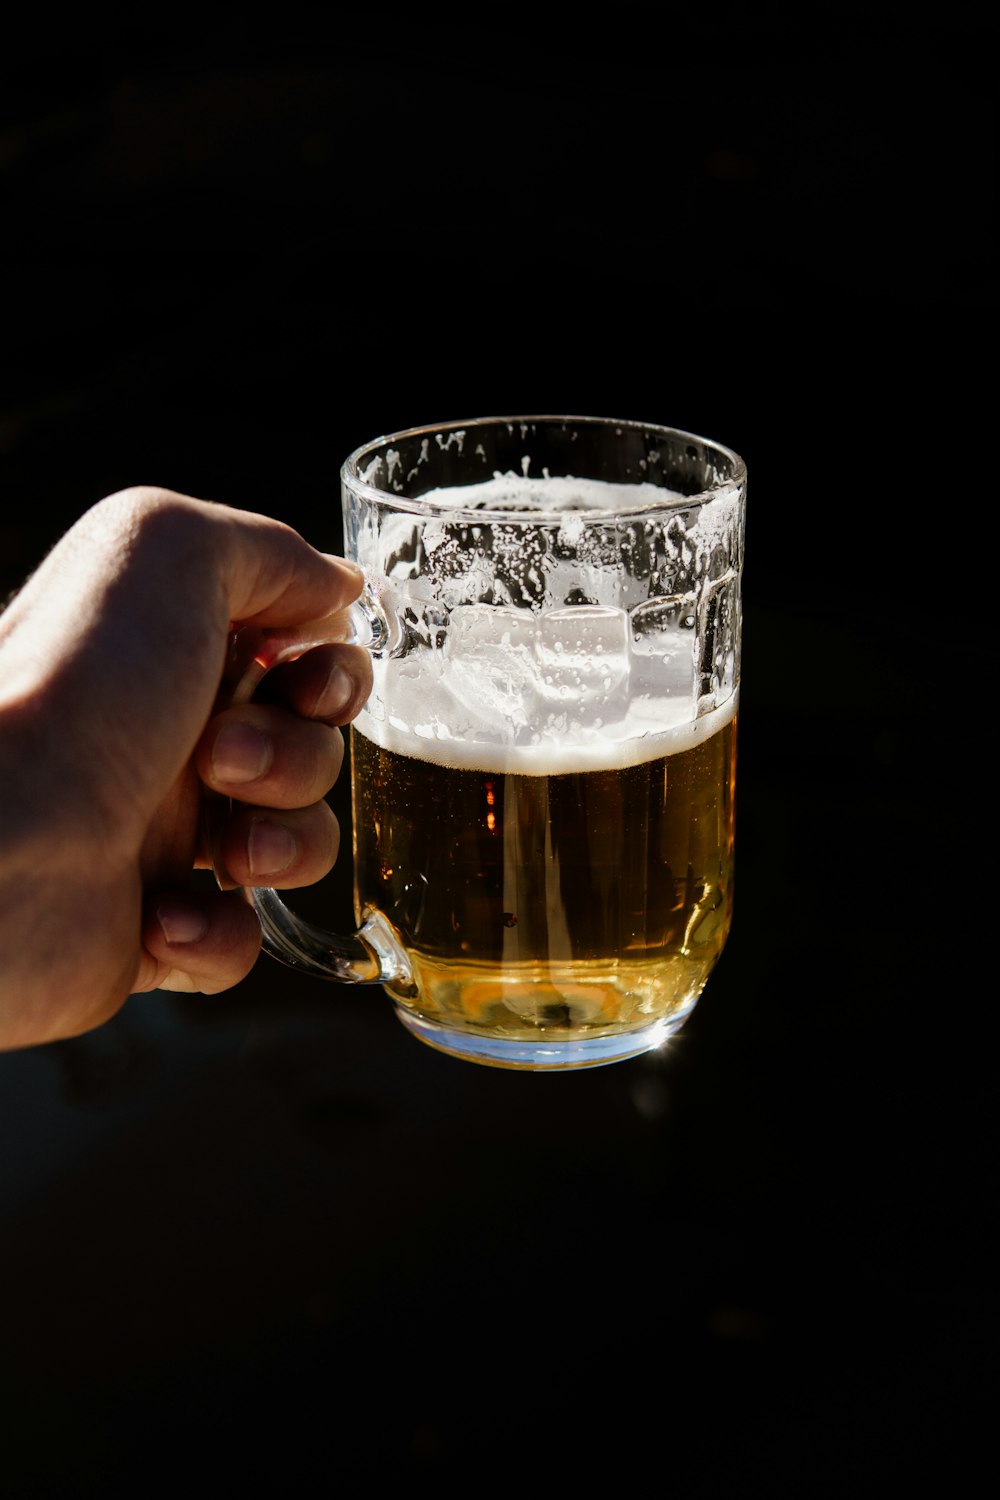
(372, 955)
(365, 625)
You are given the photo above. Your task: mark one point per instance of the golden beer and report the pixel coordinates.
(556, 907)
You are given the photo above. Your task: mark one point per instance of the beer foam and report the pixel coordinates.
(649, 730)
(558, 686)
(548, 492)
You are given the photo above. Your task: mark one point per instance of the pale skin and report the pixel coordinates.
(113, 729)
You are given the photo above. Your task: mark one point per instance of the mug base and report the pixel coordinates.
(540, 1055)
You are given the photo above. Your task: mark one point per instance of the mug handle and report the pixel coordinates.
(373, 954)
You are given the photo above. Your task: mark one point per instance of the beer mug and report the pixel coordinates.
(543, 776)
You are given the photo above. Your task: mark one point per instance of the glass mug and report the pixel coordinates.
(543, 776)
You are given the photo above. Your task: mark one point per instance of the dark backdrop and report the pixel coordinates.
(267, 1235)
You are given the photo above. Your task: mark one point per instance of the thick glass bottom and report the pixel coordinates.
(540, 1053)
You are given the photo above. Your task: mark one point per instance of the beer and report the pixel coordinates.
(549, 899)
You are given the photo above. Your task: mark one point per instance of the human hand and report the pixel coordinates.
(111, 736)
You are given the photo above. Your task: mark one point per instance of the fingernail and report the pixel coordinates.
(240, 754)
(336, 693)
(180, 922)
(270, 847)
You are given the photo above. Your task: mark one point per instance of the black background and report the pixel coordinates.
(267, 1235)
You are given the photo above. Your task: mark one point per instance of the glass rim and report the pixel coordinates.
(352, 479)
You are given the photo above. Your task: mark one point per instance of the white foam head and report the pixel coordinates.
(540, 691)
(645, 736)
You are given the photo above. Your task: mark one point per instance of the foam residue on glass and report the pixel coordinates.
(526, 493)
(602, 636)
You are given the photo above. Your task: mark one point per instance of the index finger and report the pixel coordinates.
(272, 576)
